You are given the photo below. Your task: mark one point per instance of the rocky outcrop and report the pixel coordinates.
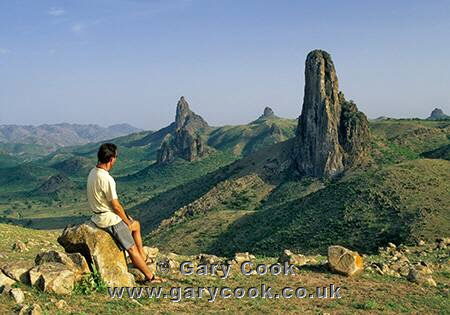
(99, 250)
(438, 114)
(184, 141)
(267, 114)
(344, 261)
(332, 135)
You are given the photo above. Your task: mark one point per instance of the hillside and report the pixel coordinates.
(339, 179)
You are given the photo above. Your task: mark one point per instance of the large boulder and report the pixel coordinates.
(52, 277)
(75, 261)
(100, 251)
(344, 261)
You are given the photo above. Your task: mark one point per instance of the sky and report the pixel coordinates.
(129, 61)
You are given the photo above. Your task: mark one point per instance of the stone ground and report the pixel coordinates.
(379, 289)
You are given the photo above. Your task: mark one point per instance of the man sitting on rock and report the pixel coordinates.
(109, 213)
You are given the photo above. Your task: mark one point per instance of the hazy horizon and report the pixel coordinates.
(129, 61)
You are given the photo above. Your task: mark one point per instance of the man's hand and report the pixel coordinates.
(130, 222)
(118, 209)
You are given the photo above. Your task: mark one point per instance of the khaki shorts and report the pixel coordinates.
(121, 234)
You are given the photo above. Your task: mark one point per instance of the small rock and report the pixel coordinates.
(5, 289)
(24, 310)
(419, 277)
(19, 246)
(291, 258)
(421, 243)
(430, 281)
(151, 252)
(35, 309)
(391, 245)
(5, 280)
(242, 257)
(61, 304)
(17, 295)
(208, 259)
(138, 275)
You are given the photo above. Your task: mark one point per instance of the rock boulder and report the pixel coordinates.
(75, 261)
(18, 271)
(344, 261)
(53, 277)
(100, 251)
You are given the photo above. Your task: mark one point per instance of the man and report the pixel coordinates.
(109, 213)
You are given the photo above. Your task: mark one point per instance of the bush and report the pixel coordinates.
(90, 283)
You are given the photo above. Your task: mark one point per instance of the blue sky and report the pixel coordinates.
(112, 61)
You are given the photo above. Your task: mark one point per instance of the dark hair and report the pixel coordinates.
(106, 152)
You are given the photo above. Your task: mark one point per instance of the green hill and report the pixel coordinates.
(214, 214)
(400, 203)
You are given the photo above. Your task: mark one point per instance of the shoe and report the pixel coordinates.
(153, 280)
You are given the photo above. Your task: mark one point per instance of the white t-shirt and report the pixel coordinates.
(101, 190)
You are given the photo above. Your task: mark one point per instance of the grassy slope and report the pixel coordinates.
(363, 211)
(246, 139)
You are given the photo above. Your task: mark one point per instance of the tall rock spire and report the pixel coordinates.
(327, 140)
(184, 141)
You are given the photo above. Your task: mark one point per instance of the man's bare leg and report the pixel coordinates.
(136, 232)
(139, 262)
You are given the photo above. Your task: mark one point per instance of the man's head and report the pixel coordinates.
(107, 154)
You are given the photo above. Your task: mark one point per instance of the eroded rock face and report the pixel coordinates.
(344, 261)
(332, 135)
(185, 141)
(100, 250)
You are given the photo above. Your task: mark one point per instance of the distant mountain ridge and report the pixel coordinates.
(63, 134)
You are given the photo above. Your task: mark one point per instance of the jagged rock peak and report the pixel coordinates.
(185, 116)
(184, 140)
(268, 112)
(331, 134)
(438, 114)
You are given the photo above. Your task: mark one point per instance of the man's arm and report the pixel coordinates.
(118, 209)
